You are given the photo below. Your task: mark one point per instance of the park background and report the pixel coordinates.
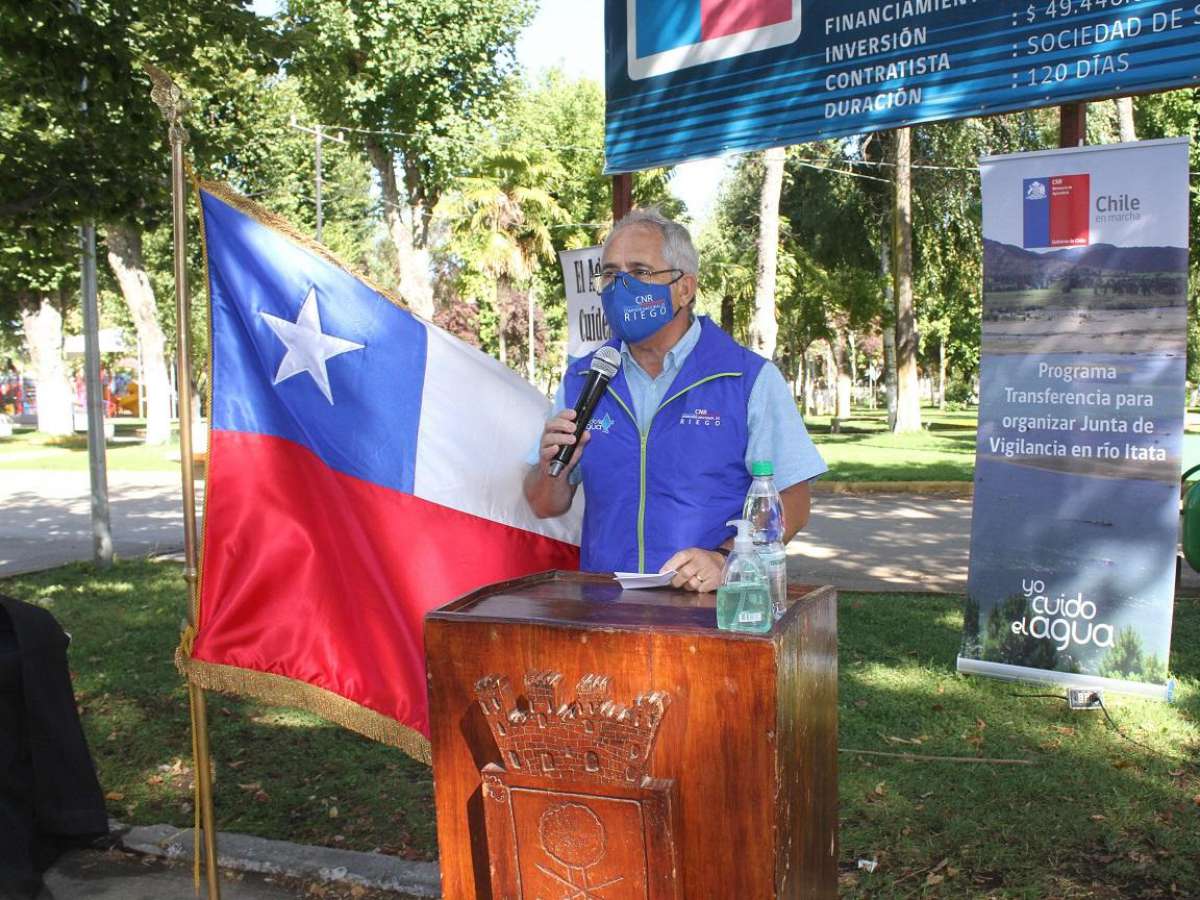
(461, 147)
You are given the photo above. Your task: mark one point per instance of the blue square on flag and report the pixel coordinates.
(668, 35)
(1035, 213)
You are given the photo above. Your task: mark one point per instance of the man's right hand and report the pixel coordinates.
(549, 496)
(559, 432)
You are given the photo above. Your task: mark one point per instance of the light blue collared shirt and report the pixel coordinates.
(776, 428)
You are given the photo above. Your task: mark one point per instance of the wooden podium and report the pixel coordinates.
(590, 742)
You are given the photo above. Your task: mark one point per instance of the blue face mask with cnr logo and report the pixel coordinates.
(636, 312)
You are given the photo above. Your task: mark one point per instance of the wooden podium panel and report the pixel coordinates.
(599, 743)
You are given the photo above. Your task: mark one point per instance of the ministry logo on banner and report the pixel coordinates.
(669, 35)
(1055, 211)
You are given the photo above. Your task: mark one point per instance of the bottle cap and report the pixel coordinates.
(761, 467)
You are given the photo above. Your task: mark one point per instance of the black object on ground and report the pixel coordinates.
(50, 799)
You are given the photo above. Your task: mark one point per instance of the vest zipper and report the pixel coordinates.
(644, 440)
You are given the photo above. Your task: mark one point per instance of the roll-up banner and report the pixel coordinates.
(1081, 414)
(587, 328)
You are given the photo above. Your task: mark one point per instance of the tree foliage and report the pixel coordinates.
(421, 78)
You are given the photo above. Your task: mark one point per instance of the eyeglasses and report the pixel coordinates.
(602, 281)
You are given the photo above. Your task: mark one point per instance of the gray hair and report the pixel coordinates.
(677, 248)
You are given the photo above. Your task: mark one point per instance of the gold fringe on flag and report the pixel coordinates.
(283, 691)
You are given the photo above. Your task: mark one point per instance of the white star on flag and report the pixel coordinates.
(307, 346)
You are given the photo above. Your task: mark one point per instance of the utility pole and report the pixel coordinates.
(1072, 125)
(319, 136)
(319, 183)
(102, 544)
(622, 195)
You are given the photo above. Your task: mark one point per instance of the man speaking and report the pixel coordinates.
(670, 442)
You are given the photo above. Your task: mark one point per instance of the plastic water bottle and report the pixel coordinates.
(744, 598)
(764, 511)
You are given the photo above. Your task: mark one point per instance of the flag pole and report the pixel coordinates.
(169, 99)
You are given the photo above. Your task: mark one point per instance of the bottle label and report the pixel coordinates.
(749, 618)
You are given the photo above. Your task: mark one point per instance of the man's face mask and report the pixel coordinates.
(637, 309)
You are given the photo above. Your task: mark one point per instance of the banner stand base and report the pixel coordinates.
(1067, 679)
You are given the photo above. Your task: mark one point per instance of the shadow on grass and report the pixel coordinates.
(903, 471)
(280, 773)
(1185, 652)
(1094, 814)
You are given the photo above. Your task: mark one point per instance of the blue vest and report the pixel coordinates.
(650, 495)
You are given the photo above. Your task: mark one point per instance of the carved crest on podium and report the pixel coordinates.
(573, 813)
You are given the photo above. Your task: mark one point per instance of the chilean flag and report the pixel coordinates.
(667, 24)
(1055, 211)
(364, 468)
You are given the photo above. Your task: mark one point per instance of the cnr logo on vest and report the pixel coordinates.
(705, 418)
(602, 425)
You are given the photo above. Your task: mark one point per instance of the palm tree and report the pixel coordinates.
(501, 215)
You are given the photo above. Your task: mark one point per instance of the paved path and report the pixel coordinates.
(97, 875)
(865, 542)
(154, 863)
(884, 542)
(45, 517)
(856, 542)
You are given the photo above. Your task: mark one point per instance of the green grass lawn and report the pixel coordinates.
(944, 450)
(865, 450)
(27, 449)
(1095, 814)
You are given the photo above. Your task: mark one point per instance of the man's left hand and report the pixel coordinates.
(696, 569)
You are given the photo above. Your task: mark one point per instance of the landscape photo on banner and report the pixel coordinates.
(364, 468)
(1083, 351)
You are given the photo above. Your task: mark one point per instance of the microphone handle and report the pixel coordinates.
(593, 389)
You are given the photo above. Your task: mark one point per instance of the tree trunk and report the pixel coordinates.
(889, 374)
(125, 259)
(908, 390)
(1125, 119)
(842, 380)
(412, 264)
(806, 376)
(941, 398)
(532, 360)
(831, 380)
(727, 313)
(42, 324)
(888, 333)
(764, 330)
(501, 322)
(853, 364)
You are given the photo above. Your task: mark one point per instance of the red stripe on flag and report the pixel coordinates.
(325, 578)
(1070, 207)
(719, 18)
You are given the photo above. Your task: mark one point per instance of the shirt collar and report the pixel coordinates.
(676, 355)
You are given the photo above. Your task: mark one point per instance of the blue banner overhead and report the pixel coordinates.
(688, 79)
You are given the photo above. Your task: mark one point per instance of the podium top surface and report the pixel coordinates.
(596, 600)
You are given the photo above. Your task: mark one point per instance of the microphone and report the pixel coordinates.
(605, 363)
